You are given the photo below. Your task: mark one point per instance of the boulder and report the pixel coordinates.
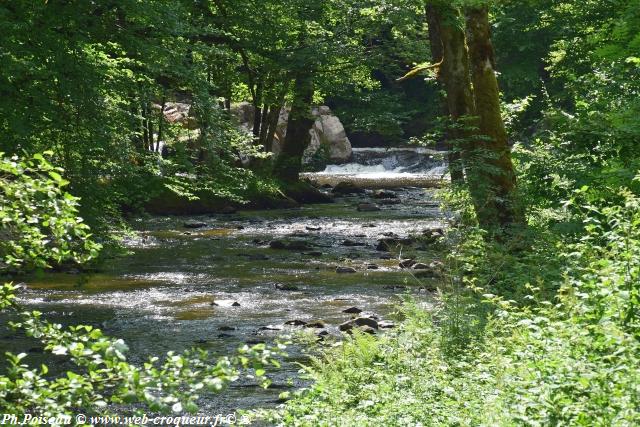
(367, 330)
(358, 322)
(347, 188)
(277, 244)
(352, 310)
(225, 303)
(271, 328)
(327, 130)
(432, 235)
(298, 245)
(345, 270)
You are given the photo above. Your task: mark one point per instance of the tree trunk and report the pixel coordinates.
(161, 123)
(150, 126)
(492, 147)
(257, 116)
(272, 124)
(274, 117)
(143, 124)
(264, 126)
(434, 19)
(289, 161)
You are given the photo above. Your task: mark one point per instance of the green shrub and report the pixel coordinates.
(39, 222)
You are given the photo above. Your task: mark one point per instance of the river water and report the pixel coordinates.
(159, 297)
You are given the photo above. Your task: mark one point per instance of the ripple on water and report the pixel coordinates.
(159, 298)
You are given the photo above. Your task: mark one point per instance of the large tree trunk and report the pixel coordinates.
(434, 19)
(492, 147)
(455, 75)
(289, 161)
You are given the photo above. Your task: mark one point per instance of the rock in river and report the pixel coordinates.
(360, 321)
(295, 322)
(420, 266)
(352, 310)
(286, 287)
(194, 224)
(385, 194)
(225, 303)
(347, 188)
(407, 263)
(316, 325)
(345, 270)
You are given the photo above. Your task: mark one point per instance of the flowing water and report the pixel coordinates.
(387, 168)
(159, 298)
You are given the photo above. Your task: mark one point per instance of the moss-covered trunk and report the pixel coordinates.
(454, 73)
(492, 145)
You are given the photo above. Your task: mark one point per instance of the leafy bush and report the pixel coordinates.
(39, 221)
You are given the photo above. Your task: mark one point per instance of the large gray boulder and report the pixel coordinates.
(327, 130)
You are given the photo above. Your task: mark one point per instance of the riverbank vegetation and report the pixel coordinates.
(539, 328)
(129, 107)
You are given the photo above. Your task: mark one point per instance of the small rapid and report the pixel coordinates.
(386, 168)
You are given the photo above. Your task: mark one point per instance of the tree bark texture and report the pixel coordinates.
(492, 146)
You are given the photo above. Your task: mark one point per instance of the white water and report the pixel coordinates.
(379, 171)
(386, 168)
(419, 150)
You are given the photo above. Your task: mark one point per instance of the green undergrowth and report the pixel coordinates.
(542, 330)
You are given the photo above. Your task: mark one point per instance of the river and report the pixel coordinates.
(159, 297)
